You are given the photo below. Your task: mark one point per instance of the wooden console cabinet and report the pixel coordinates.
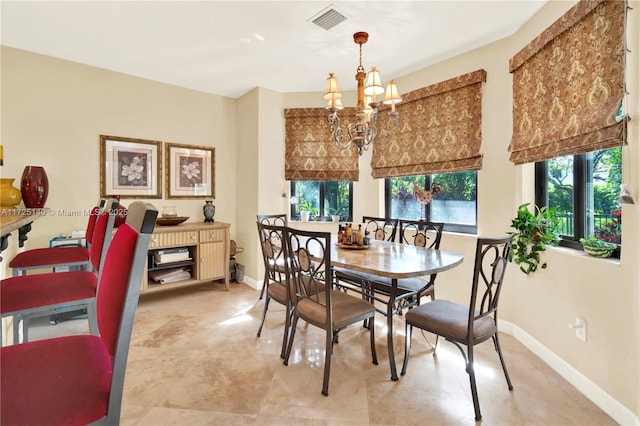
(208, 247)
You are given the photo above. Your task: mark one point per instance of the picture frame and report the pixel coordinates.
(130, 167)
(190, 171)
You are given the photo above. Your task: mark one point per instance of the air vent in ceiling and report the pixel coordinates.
(328, 18)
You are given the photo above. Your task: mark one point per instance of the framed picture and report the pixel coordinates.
(130, 167)
(190, 171)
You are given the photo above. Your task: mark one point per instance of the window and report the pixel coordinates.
(584, 190)
(322, 199)
(455, 204)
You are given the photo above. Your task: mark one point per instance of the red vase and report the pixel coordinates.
(34, 187)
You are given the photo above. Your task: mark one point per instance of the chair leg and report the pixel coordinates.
(327, 362)
(264, 284)
(294, 323)
(287, 331)
(407, 348)
(25, 329)
(92, 318)
(16, 329)
(496, 343)
(472, 381)
(264, 313)
(372, 335)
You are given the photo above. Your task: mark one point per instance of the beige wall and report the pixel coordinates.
(53, 111)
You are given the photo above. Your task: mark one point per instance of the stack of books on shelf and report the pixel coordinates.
(170, 275)
(171, 255)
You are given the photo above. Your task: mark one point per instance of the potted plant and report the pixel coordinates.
(533, 232)
(597, 247)
(335, 214)
(305, 209)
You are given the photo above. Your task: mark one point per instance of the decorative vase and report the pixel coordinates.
(10, 196)
(304, 216)
(208, 210)
(34, 186)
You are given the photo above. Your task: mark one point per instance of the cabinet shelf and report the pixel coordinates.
(208, 245)
(169, 265)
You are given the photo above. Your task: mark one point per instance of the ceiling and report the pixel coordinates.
(230, 47)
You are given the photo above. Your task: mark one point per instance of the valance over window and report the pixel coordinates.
(310, 153)
(568, 84)
(440, 130)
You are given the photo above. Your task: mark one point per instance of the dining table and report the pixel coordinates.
(394, 261)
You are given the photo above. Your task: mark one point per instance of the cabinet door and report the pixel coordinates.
(211, 261)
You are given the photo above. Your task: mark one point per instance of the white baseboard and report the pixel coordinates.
(602, 399)
(256, 285)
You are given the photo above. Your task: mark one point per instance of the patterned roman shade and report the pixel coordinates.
(568, 84)
(310, 153)
(440, 130)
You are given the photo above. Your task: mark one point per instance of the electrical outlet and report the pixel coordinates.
(581, 329)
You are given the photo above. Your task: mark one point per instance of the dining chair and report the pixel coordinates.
(58, 257)
(380, 228)
(314, 298)
(468, 325)
(27, 296)
(77, 380)
(273, 252)
(280, 219)
(426, 234)
(409, 291)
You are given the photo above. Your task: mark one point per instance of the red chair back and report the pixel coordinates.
(91, 224)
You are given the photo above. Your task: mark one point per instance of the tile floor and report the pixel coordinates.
(195, 360)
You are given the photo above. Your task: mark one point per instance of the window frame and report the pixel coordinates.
(580, 179)
(322, 216)
(449, 227)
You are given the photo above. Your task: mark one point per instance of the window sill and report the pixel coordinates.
(580, 253)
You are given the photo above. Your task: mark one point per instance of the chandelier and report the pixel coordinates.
(363, 132)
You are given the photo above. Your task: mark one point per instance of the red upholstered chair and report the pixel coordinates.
(27, 296)
(77, 380)
(57, 257)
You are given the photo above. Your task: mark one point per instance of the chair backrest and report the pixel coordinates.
(492, 257)
(310, 272)
(91, 223)
(118, 293)
(273, 219)
(273, 247)
(380, 228)
(421, 233)
(102, 233)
